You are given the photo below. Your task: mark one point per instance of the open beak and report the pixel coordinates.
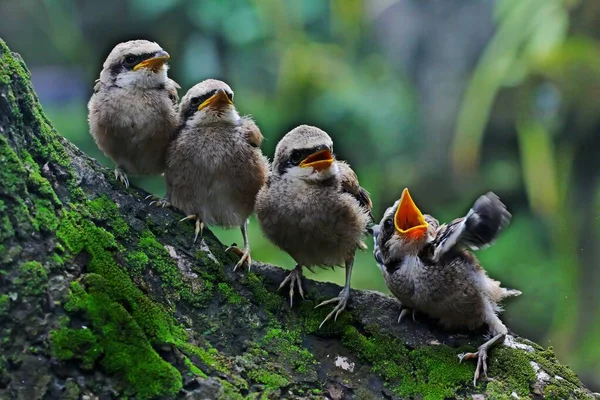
(155, 63)
(319, 160)
(217, 100)
(408, 220)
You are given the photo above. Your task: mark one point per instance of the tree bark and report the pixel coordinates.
(105, 297)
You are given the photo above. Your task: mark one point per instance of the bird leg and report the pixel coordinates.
(294, 278)
(342, 298)
(157, 201)
(121, 176)
(199, 225)
(481, 355)
(245, 255)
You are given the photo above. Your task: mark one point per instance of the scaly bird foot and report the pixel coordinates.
(481, 356)
(199, 225)
(121, 176)
(342, 300)
(294, 278)
(244, 256)
(157, 201)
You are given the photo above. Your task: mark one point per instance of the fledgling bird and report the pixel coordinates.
(313, 208)
(215, 166)
(429, 268)
(132, 113)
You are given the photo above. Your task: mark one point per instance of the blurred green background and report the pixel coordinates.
(450, 98)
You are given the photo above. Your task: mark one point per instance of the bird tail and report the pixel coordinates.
(484, 222)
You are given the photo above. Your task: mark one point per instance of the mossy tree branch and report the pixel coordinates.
(104, 296)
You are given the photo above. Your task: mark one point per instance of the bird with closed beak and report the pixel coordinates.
(132, 113)
(215, 166)
(429, 268)
(313, 207)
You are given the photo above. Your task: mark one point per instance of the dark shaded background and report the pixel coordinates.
(448, 97)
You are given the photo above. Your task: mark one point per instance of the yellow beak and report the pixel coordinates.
(154, 63)
(319, 160)
(218, 99)
(409, 220)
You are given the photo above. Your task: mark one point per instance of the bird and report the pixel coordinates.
(430, 268)
(215, 166)
(313, 208)
(132, 112)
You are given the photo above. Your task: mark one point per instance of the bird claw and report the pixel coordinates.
(199, 225)
(481, 356)
(121, 176)
(294, 278)
(342, 300)
(244, 256)
(157, 201)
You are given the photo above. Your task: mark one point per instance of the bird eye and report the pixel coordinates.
(388, 223)
(230, 96)
(195, 101)
(130, 61)
(296, 157)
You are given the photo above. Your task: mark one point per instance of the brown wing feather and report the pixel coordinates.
(251, 132)
(172, 87)
(350, 185)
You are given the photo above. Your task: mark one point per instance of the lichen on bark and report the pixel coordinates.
(102, 295)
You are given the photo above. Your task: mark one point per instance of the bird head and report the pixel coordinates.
(209, 102)
(137, 63)
(403, 230)
(306, 152)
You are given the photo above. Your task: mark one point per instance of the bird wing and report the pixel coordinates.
(97, 85)
(478, 229)
(350, 185)
(251, 132)
(376, 250)
(172, 87)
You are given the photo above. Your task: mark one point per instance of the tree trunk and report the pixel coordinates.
(105, 297)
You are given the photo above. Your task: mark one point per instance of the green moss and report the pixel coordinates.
(288, 345)
(513, 368)
(45, 215)
(269, 379)
(262, 296)
(547, 360)
(36, 180)
(137, 262)
(229, 391)
(432, 372)
(103, 208)
(230, 294)
(125, 346)
(12, 173)
(208, 356)
(78, 234)
(32, 279)
(72, 390)
(4, 304)
(196, 294)
(193, 369)
(82, 344)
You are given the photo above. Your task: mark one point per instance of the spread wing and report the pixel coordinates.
(251, 132)
(350, 185)
(478, 229)
(172, 87)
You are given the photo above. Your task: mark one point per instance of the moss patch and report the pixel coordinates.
(433, 372)
(103, 208)
(68, 344)
(230, 294)
(32, 279)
